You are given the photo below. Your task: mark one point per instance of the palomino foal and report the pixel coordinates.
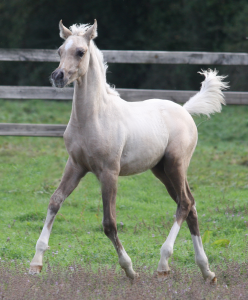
(111, 137)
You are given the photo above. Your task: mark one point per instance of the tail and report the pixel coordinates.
(210, 97)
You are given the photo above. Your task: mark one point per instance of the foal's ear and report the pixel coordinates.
(64, 32)
(91, 33)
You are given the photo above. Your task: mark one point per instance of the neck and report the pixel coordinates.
(90, 94)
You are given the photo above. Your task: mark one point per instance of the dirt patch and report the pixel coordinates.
(77, 282)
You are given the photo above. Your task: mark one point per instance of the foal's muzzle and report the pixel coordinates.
(58, 78)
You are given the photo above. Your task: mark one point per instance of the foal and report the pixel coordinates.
(111, 137)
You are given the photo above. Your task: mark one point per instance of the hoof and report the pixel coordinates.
(162, 275)
(213, 281)
(131, 275)
(135, 279)
(35, 270)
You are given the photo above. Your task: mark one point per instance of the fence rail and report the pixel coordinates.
(49, 130)
(37, 92)
(134, 57)
(111, 56)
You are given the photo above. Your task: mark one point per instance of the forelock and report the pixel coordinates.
(79, 29)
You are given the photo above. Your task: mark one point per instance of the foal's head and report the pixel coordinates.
(74, 54)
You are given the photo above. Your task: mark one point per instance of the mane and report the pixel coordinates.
(103, 65)
(80, 29)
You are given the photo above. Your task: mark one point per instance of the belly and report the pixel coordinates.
(142, 151)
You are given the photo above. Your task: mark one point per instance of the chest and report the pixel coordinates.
(94, 148)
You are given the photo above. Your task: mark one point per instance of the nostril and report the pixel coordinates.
(60, 75)
(57, 75)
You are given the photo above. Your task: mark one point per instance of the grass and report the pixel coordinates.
(31, 167)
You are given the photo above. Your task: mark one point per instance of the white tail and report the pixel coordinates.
(210, 97)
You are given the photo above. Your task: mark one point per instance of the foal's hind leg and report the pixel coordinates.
(108, 181)
(173, 184)
(167, 248)
(200, 256)
(70, 180)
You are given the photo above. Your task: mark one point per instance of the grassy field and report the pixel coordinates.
(31, 167)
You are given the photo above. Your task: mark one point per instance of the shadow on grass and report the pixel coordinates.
(81, 282)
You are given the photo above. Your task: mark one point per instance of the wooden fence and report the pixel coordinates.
(151, 57)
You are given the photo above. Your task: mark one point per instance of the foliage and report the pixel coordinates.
(168, 25)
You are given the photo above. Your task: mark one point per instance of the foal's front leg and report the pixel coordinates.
(109, 190)
(70, 180)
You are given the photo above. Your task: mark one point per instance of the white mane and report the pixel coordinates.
(80, 29)
(110, 89)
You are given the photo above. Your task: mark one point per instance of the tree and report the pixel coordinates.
(178, 25)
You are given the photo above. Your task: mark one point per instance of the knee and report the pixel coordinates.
(192, 213)
(55, 203)
(183, 209)
(109, 227)
(186, 205)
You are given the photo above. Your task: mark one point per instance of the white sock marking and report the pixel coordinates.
(124, 259)
(167, 248)
(126, 263)
(42, 243)
(201, 258)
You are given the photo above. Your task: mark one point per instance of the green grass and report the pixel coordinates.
(31, 167)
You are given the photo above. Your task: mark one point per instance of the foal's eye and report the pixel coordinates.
(80, 53)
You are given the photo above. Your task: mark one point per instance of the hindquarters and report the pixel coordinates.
(172, 172)
(172, 168)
